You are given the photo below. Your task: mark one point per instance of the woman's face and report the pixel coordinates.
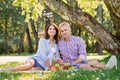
(51, 31)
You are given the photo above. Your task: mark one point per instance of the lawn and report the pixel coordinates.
(74, 74)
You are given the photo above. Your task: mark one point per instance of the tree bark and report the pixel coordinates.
(21, 48)
(99, 48)
(6, 35)
(34, 32)
(30, 46)
(80, 18)
(114, 8)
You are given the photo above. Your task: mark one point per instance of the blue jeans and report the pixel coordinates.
(78, 65)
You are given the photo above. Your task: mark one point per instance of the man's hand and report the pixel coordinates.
(79, 60)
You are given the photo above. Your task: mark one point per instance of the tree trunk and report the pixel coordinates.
(30, 47)
(80, 18)
(6, 35)
(99, 48)
(114, 8)
(21, 48)
(34, 32)
(74, 4)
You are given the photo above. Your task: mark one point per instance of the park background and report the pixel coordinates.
(22, 24)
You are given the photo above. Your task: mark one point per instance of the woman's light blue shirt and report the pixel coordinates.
(44, 48)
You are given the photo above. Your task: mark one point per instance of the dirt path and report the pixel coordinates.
(5, 59)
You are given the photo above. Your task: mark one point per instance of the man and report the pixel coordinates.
(73, 50)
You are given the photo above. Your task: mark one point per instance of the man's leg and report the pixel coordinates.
(87, 66)
(96, 64)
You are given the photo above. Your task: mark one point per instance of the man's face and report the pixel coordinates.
(65, 31)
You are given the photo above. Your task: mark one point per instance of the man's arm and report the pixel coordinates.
(79, 60)
(82, 51)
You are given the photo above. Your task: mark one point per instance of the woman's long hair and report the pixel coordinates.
(56, 37)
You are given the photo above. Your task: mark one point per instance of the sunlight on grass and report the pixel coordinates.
(63, 75)
(74, 74)
(24, 76)
(10, 64)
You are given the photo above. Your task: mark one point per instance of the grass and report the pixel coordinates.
(79, 74)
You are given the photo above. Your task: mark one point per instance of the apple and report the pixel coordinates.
(60, 61)
(54, 68)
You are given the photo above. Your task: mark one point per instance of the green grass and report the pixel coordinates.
(9, 64)
(24, 76)
(103, 74)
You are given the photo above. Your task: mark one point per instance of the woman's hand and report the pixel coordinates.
(47, 62)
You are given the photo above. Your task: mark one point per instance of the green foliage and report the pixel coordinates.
(30, 8)
(11, 26)
(15, 13)
(89, 5)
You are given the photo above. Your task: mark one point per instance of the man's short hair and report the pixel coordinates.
(64, 23)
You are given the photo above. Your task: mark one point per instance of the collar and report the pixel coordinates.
(49, 41)
(71, 38)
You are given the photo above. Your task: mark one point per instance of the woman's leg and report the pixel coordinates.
(96, 64)
(28, 65)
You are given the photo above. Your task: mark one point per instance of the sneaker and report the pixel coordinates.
(112, 62)
(1, 70)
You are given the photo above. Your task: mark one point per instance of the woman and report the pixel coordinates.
(47, 49)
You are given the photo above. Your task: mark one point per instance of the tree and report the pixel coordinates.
(109, 41)
(68, 10)
(114, 8)
(11, 22)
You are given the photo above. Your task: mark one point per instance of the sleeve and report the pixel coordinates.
(82, 49)
(41, 51)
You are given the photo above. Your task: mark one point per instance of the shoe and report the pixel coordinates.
(112, 62)
(1, 71)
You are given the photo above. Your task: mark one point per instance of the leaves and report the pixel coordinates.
(30, 8)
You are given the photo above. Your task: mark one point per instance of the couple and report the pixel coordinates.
(70, 48)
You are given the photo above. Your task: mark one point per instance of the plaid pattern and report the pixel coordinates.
(73, 49)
